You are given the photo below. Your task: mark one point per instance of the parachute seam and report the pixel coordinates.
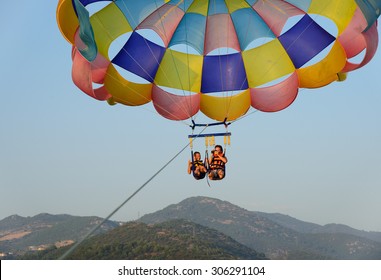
(149, 100)
(157, 62)
(185, 108)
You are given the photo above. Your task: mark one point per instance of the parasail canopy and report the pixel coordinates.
(218, 57)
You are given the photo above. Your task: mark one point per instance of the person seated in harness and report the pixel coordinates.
(217, 163)
(197, 166)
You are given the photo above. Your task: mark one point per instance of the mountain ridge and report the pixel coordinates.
(279, 236)
(272, 234)
(308, 227)
(172, 240)
(20, 234)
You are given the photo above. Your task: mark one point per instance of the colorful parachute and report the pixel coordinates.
(215, 56)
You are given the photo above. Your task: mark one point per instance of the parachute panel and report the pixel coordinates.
(223, 73)
(267, 63)
(300, 43)
(163, 21)
(140, 56)
(276, 13)
(67, 20)
(180, 71)
(199, 7)
(228, 107)
(82, 74)
(324, 72)
(108, 24)
(339, 11)
(216, 57)
(370, 44)
(220, 33)
(190, 32)
(126, 92)
(137, 11)
(175, 107)
(236, 5)
(245, 34)
(87, 46)
(276, 97)
(354, 41)
(371, 10)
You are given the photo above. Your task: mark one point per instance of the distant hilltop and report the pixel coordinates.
(278, 236)
(22, 234)
(250, 235)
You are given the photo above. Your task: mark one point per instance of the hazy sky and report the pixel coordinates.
(63, 152)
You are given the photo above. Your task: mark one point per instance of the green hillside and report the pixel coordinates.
(18, 234)
(173, 240)
(278, 236)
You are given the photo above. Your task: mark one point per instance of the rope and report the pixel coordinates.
(75, 246)
(206, 160)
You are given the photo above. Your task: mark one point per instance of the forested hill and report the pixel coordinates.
(176, 239)
(20, 234)
(278, 236)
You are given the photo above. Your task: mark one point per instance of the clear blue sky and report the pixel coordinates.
(63, 152)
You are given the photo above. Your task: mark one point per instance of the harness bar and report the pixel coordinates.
(194, 124)
(210, 135)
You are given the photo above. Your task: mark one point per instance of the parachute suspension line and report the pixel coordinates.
(184, 107)
(149, 47)
(248, 26)
(187, 107)
(131, 89)
(157, 62)
(245, 116)
(225, 93)
(206, 153)
(188, 63)
(276, 60)
(75, 246)
(269, 32)
(145, 40)
(229, 96)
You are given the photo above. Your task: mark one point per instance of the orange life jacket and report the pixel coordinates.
(217, 163)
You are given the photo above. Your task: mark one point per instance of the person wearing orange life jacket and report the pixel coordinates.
(217, 163)
(197, 166)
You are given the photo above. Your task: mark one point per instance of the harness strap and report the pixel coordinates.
(206, 161)
(192, 168)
